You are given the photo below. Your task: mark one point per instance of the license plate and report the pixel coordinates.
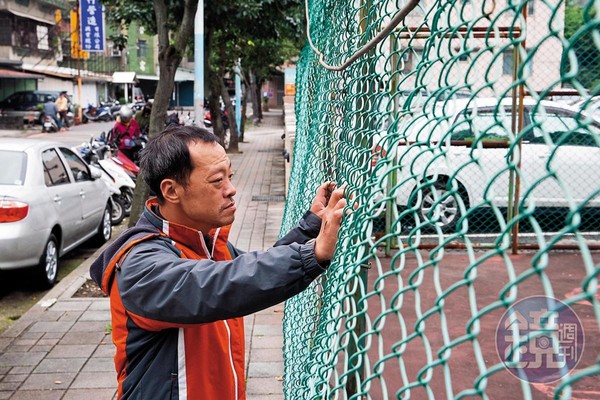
(47, 125)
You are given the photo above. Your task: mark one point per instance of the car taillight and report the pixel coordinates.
(12, 210)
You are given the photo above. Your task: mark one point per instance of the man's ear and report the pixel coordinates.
(168, 187)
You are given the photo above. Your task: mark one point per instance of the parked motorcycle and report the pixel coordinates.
(118, 181)
(112, 152)
(49, 124)
(101, 113)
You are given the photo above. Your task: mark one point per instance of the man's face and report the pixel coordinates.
(207, 200)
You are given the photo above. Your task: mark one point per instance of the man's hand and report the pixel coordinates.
(322, 197)
(331, 217)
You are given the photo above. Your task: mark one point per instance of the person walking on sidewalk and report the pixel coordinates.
(179, 289)
(62, 103)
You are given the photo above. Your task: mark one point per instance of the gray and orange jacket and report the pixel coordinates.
(177, 299)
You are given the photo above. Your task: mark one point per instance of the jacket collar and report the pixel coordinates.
(182, 234)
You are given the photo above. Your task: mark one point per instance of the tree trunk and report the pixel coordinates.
(256, 109)
(233, 129)
(215, 105)
(243, 119)
(169, 58)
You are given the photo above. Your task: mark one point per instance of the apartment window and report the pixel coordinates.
(5, 30)
(42, 37)
(142, 48)
(530, 7)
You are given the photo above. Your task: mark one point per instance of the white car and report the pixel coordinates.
(458, 154)
(50, 202)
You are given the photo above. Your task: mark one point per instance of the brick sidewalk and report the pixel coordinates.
(61, 349)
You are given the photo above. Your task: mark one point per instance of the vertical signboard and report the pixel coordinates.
(92, 25)
(290, 81)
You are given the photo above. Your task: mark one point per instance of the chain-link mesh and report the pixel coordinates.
(466, 136)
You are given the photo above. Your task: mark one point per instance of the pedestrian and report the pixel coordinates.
(51, 110)
(179, 289)
(143, 117)
(62, 103)
(126, 134)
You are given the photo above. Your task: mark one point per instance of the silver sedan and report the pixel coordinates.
(51, 201)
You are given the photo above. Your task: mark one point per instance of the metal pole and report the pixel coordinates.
(238, 96)
(199, 65)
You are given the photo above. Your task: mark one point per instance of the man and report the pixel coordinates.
(142, 117)
(62, 104)
(179, 289)
(126, 133)
(51, 110)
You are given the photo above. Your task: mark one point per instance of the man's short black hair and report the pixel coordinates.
(167, 156)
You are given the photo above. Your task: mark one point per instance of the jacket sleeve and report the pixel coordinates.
(166, 291)
(308, 228)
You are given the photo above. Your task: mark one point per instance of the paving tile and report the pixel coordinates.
(48, 342)
(41, 348)
(22, 370)
(267, 329)
(82, 338)
(260, 355)
(265, 369)
(55, 365)
(64, 305)
(51, 326)
(21, 359)
(72, 351)
(53, 335)
(31, 335)
(9, 385)
(4, 343)
(15, 378)
(5, 395)
(89, 394)
(51, 394)
(18, 349)
(50, 316)
(89, 326)
(52, 381)
(25, 342)
(95, 380)
(100, 304)
(268, 342)
(4, 370)
(70, 316)
(99, 364)
(264, 386)
(96, 315)
(105, 350)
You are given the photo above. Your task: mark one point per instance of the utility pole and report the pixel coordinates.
(199, 65)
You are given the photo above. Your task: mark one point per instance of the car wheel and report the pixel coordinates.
(127, 197)
(118, 210)
(105, 228)
(442, 210)
(48, 267)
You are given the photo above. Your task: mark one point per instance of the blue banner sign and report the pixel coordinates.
(92, 25)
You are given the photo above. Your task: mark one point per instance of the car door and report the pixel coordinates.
(562, 156)
(64, 195)
(91, 198)
(479, 151)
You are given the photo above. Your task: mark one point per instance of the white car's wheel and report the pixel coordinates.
(47, 268)
(105, 227)
(441, 210)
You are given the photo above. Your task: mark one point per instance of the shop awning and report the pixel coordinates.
(124, 77)
(31, 16)
(8, 73)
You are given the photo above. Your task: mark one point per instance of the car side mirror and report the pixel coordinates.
(95, 172)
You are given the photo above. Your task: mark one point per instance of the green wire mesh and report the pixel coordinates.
(470, 146)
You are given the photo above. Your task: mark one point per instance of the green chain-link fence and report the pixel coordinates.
(468, 140)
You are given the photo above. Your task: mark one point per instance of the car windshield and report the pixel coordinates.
(15, 175)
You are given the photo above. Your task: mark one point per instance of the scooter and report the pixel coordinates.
(49, 124)
(118, 181)
(92, 113)
(111, 151)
